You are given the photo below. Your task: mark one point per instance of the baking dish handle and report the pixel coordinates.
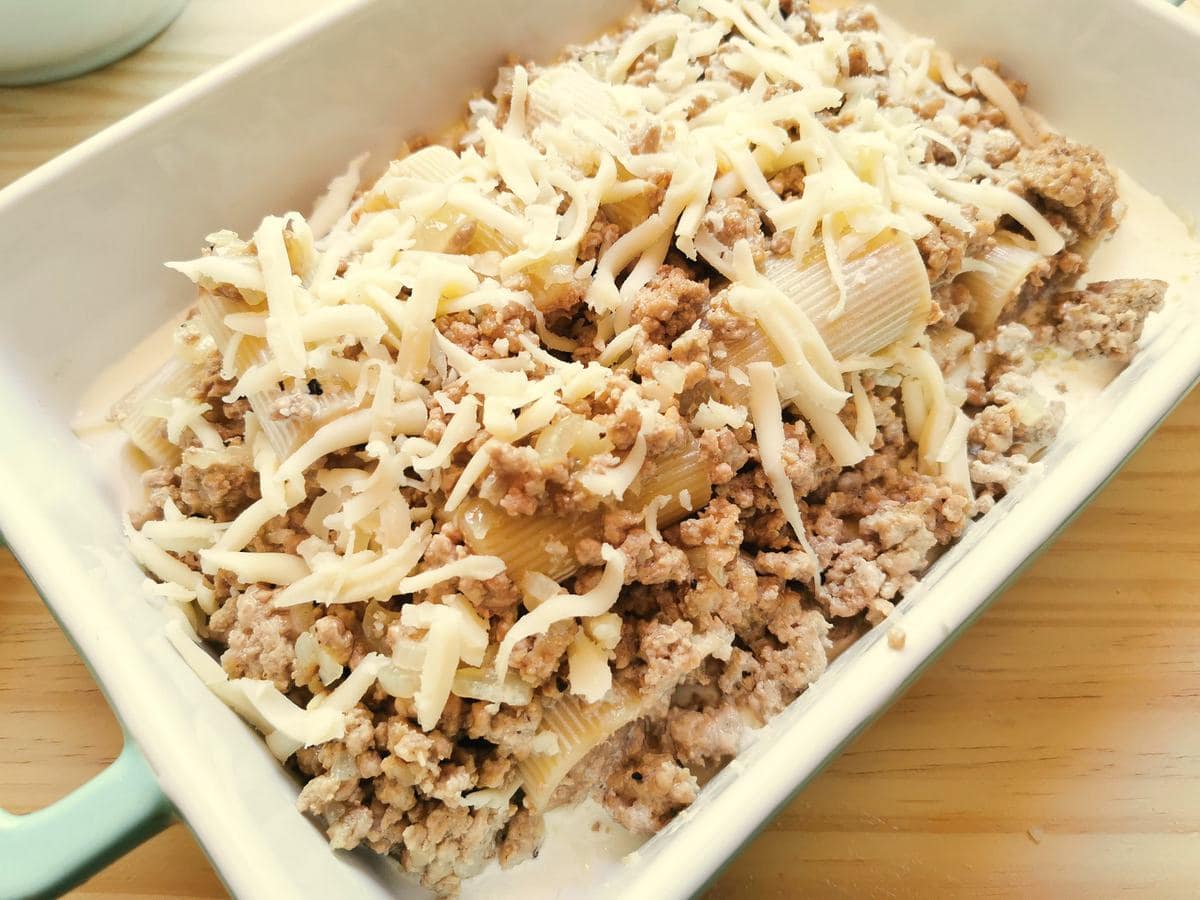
(45, 853)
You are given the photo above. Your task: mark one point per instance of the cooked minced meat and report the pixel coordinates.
(1107, 317)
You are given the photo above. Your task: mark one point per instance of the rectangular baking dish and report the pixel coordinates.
(81, 282)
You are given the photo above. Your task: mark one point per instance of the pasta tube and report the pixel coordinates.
(545, 542)
(580, 727)
(568, 91)
(630, 212)
(1010, 261)
(244, 351)
(140, 419)
(886, 296)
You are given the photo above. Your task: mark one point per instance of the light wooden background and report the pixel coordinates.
(1054, 751)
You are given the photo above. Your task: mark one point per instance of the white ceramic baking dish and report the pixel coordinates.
(81, 245)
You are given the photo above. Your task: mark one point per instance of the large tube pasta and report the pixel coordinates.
(1011, 260)
(284, 434)
(886, 300)
(140, 420)
(525, 543)
(568, 91)
(948, 343)
(580, 727)
(886, 294)
(433, 164)
(449, 229)
(880, 297)
(630, 212)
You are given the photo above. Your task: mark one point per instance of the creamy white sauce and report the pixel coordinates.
(1151, 242)
(119, 463)
(582, 834)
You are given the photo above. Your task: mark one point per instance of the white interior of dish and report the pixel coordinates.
(82, 242)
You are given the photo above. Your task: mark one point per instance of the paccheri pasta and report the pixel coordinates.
(571, 447)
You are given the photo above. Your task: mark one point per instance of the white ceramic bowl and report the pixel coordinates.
(81, 280)
(45, 40)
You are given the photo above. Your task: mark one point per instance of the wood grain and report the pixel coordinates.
(1054, 751)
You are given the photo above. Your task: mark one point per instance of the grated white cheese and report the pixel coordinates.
(615, 481)
(768, 430)
(587, 669)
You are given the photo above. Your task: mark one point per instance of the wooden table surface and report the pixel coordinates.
(1054, 751)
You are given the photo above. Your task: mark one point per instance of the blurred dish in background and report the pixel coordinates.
(55, 39)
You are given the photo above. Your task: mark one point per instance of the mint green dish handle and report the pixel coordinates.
(45, 853)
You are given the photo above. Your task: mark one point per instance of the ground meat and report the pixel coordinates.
(952, 299)
(1107, 318)
(494, 595)
(601, 235)
(339, 766)
(220, 491)
(493, 330)
(945, 247)
(994, 474)
(942, 250)
(787, 183)
(335, 633)
(511, 730)
(521, 839)
(782, 663)
(992, 429)
(668, 651)
(727, 614)
(702, 737)
(1000, 146)
(669, 304)
(734, 219)
(212, 388)
(445, 845)
(507, 322)
(793, 565)
(259, 639)
(795, 657)
(874, 534)
(717, 525)
(162, 486)
(650, 561)
(648, 791)
(852, 581)
(537, 658)
(282, 534)
(1072, 179)
(724, 454)
(520, 476)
